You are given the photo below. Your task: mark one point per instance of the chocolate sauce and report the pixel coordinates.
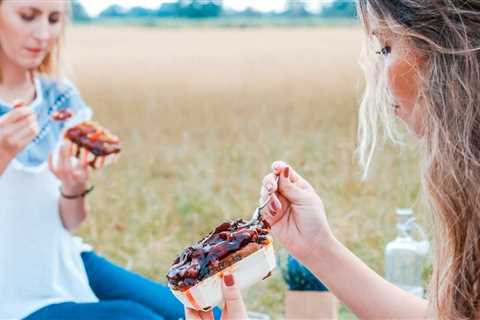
(203, 259)
(61, 115)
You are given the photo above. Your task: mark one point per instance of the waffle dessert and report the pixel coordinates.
(93, 143)
(244, 249)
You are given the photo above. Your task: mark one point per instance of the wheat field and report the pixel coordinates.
(203, 113)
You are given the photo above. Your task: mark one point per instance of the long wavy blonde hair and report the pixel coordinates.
(447, 32)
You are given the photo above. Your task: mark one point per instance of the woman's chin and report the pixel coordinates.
(31, 64)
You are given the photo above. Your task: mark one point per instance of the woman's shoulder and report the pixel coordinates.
(55, 87)
(59, 93)
(62, 94)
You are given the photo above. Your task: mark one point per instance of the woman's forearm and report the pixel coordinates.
(362, 290)
(72, 211)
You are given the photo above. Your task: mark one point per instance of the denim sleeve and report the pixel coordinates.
(56, 96)
(74, 102)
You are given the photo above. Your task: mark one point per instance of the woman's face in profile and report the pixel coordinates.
(402, 66)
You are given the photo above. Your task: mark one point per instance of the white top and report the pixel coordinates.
(40, 262)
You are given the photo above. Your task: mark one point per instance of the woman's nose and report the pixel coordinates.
(42, 31)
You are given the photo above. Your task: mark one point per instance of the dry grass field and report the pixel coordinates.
(202, 115)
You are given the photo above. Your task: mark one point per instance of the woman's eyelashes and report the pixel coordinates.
(385, 50)
(27, 17)
(53, 18)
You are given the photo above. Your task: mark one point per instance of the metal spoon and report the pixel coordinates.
(257, 214)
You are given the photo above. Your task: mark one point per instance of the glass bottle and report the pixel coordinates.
(405, 257)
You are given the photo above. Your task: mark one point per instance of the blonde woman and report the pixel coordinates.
(44, 272)
(422, 67)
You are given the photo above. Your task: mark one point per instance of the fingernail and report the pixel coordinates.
(228, 279)
(286, 172)
(276, 166)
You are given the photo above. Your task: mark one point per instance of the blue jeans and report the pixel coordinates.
(123, 295)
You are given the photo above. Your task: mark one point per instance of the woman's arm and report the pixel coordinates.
(74, 177)
(73, 211)
(367, 294)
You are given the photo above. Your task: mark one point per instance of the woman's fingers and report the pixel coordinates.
(74, 169)
(281, 168)
(17, 115)
(286, 188)
(82, 168)
(15, 122)
(14, 128)
(64, 161)
(234, 306)
(290, 190)
(67, 168)
(20, 138)
(84, 163)
(278, 166)
(275, 210)
(191, 314)
(72, 165)
(270, 182)
(269, 186)
(15, 125)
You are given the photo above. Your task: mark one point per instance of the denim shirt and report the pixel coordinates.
(51, 96)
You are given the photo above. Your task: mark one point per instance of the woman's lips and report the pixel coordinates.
(35, 50)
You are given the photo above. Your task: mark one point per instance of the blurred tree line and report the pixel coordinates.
(196, 9)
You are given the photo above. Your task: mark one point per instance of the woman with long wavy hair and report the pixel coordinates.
(422, 66)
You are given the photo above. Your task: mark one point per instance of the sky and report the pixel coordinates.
(94, 7)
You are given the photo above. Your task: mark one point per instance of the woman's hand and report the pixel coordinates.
(296, 213)
(74, 175)
(234, 307)
(17, 129)
(298, 221)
